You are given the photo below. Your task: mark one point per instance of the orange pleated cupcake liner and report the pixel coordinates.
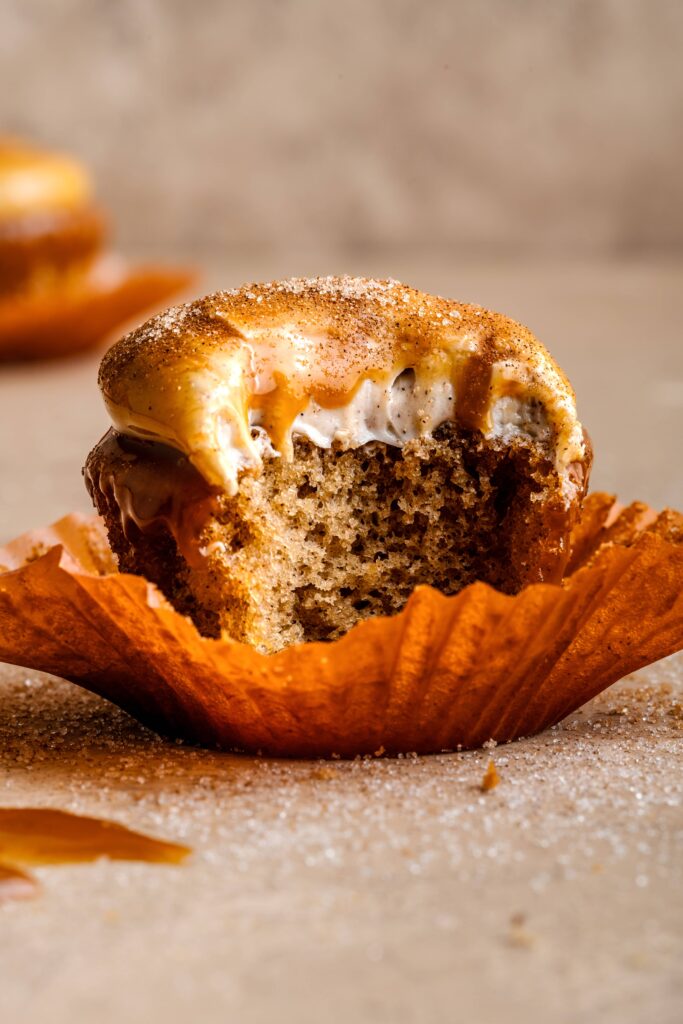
(446, 673)
(70, 321)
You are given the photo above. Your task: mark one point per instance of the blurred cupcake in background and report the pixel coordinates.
(51, 230)
(61, 289)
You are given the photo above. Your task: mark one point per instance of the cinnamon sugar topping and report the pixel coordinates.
(232, 378)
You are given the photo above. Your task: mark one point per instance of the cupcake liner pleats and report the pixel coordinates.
(447, 673)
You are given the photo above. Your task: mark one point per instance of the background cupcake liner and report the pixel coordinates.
(54, 325)
(446, 673)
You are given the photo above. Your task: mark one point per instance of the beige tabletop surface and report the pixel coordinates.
(373, 890)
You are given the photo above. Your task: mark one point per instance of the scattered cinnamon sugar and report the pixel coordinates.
(396, 864)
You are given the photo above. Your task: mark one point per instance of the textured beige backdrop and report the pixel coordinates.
(493, 127)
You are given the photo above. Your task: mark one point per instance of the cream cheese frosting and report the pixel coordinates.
(235, 377)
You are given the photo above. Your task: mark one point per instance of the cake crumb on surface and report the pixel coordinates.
(491, 777)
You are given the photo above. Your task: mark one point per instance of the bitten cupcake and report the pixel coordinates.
(287, 459)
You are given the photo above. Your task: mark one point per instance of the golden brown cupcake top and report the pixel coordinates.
(33, 181)
(235, 376)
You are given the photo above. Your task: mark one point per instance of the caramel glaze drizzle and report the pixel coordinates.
(472, 380)
(153, 485)
(40, 835)
(473, 388)
(281, 406)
